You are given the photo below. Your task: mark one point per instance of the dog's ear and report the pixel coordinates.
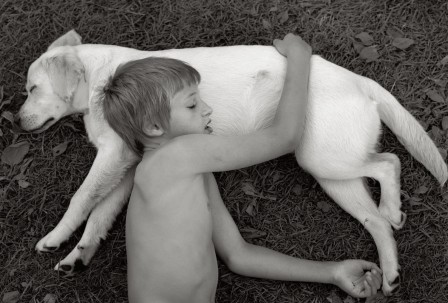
(71, 38)
(65, 71)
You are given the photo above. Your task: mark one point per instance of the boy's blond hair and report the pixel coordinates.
(138, 95)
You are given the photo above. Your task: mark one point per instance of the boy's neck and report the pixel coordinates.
(154, 143)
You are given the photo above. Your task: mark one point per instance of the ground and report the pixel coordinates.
(401, 44)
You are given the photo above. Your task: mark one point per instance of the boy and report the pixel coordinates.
(176, 219)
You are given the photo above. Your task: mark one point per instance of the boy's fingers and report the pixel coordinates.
(372, 284)
(377, 278)
(366, 265)
(367, 289)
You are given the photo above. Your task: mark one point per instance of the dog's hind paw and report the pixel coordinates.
(397, 220)
(391, 287)
(399, 225)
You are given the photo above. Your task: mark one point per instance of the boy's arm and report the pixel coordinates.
(260, 262)
(205, 153)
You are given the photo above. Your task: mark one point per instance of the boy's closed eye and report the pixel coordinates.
(192, 105)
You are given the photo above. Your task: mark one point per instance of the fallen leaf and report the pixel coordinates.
(358, 46)
(377, 298)
(402, 43)
(421, 190)
(440, 82)
(436, 133)
(283, 17)
(23, 183)
(8, 116)
(249, 189)
(49, 298)
(59, 149)
(443, 61)
(11, 297)
(349, 300)
(365, 38)
(445, 123)
(414, 201)
(394, 33)
(251, 233)
(324, 206)
(334, 298)
(297, 189)
(369, 53)
(435, 96)
(250, 208)
(15, 153)
(276, 177)
(25, 165)
(443, 153)
(266, 24)
(273, 9)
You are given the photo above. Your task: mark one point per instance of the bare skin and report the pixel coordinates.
(177, 222)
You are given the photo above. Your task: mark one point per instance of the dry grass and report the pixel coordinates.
(293, 222)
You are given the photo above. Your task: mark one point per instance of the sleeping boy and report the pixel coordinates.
(177, 222)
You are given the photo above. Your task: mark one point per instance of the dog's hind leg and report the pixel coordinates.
(385, 167)
(354, 198)
(98, 224)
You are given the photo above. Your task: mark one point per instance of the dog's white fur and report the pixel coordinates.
(243, 85)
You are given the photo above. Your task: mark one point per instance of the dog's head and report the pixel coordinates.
(51, 84)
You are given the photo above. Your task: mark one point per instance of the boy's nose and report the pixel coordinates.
(207, 110)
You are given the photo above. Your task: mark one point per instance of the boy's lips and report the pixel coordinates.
(208, 127)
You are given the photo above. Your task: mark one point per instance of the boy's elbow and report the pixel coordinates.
(234, 259)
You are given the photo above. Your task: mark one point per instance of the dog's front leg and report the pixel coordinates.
(106, 172)
(98, 224)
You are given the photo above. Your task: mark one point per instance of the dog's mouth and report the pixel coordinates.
(43, 127)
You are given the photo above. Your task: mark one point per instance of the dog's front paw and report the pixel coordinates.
(54, 239)
(69, 268)
(78, 259)
(49, 243)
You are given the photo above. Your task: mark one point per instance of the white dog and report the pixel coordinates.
(243, 85)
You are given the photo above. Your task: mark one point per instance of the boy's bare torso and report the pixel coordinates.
(171, 257)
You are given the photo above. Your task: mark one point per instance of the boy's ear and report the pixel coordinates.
(154, 130)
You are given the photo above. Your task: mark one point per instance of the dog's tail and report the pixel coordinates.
(409, 131)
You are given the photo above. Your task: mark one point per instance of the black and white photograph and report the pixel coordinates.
(228, 151)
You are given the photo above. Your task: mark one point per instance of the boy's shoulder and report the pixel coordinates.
(165, 158)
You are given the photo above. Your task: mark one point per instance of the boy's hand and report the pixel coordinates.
(292, 44)
(358, 278)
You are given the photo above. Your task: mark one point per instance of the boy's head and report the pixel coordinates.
(136, 99)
